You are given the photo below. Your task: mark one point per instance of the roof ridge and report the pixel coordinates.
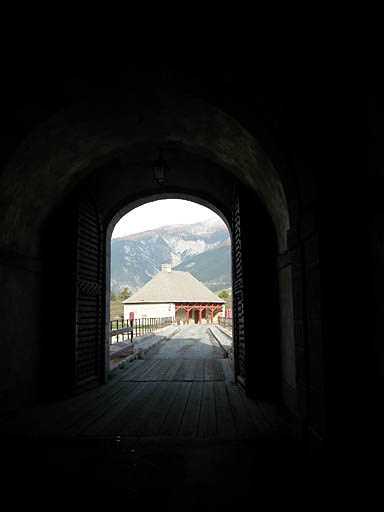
(174, 286)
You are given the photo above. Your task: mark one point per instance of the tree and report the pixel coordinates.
(227, 297)
(224, 295)
(124, 294)
(113, 295)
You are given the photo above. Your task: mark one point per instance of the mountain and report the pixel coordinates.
(203, 249)
(212, 267)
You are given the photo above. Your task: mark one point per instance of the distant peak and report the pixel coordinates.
(206, 226)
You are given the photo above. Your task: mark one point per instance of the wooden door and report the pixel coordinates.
(256, 312)
(89, 340)
(237, 292)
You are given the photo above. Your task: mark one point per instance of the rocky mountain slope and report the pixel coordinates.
(203, 249)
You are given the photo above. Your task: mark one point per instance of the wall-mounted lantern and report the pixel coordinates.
(160, 169)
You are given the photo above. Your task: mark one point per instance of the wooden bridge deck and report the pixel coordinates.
(160, 428)
(155, 397)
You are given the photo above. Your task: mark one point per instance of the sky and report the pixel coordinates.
(160, 213)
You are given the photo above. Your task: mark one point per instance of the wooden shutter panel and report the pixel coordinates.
(255, 297)
(238, 292)
(89, 304)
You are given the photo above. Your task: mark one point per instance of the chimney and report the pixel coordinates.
(166, 267)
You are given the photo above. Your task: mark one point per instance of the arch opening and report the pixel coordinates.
(170, 264)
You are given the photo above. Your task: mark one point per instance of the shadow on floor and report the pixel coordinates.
(181, 474)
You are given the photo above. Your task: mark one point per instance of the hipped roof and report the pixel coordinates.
(174, 286)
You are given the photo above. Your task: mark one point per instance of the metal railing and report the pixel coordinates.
(124, 330)
(225, 322)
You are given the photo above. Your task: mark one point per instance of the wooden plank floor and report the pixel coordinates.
(182, 389)
(167, 398)
(177, 370)
(173, 426)
(179, 398)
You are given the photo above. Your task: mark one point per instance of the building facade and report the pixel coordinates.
(175, 294)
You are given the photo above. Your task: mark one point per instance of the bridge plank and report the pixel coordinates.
(190, 369)
(173, 368)
(199, 370)
(170, 425)
(207, 423)
(103, 407)
(214, 370)
(226, 426)
(242, 417)
(139, 370)
(226, 365)
(181, 371)
(123, 412)
(140, 421)
(160, 371)
(190, 422)
(158, 407)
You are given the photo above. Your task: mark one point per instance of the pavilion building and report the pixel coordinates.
(175, 294)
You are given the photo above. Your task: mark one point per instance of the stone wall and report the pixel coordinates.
(21, 330)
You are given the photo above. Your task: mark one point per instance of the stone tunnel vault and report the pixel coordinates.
(81, 168)
(66, 148)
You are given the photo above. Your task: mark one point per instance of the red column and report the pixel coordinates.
(200, 311)
(188, 309)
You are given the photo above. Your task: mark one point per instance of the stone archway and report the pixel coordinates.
(64, 150)
(114, 137)
(270, 384)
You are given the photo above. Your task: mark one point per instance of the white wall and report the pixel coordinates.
(157, 310)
